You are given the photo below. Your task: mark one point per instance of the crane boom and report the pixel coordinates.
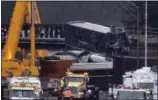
(14, 31)
(21, 8)
(29, 14)
(13, 62)
(32, 35)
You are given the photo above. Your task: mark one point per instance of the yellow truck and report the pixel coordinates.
(76, 82)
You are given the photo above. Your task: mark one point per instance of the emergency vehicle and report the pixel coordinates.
(137, 81)
(23, 88)
(143, 78)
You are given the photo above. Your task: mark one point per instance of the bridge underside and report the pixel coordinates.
(40, 44)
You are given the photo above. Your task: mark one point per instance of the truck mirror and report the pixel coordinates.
(41, 93)
(88, 79)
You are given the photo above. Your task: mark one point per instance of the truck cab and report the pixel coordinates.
(18, 93)
(132, 94)
(76, 82)
(23, 88)
(135, 84)
(143, 78)
(98, 79)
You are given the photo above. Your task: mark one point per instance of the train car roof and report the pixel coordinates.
(90, 26)
(91, 66)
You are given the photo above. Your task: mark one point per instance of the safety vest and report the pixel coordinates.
(67, 93)
(61, 83)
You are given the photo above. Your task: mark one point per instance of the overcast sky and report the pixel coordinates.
(51, 12)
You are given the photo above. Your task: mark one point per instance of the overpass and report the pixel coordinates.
(45, 35)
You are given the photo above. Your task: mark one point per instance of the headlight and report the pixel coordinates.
(90, 86)
(80, 93)
(148, 91)
(89, 91)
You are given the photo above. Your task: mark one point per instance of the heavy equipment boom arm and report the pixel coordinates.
(29, 14)
(14, 31)
(17, 20)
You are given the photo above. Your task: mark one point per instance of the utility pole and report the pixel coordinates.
(146, 34)
(138, 37)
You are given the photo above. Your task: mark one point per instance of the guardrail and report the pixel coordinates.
(133, 30)
(42, 31)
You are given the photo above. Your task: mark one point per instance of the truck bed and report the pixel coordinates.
(51, 72)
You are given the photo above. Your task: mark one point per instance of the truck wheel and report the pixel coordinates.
(26, 73)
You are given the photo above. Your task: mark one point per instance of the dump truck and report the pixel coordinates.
(52, 70)
(99, 77)
(76, 82)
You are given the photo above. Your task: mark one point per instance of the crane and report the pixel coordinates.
(40, 53)
(37, 19)
(11, 66)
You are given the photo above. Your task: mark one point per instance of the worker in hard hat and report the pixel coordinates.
(62, 83)
(67, 94)
(60, 91)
